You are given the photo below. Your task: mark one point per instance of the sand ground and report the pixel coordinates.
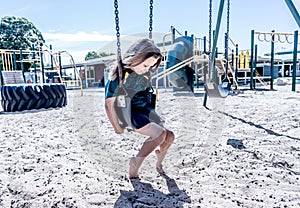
(242, 151)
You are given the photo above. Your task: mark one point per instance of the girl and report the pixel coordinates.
(139, 61)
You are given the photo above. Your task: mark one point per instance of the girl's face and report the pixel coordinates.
(145, 65)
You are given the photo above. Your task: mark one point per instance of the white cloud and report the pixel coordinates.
(78, 56)
(78, 37)
(77, 44)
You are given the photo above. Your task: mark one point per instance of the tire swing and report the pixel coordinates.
(123, 101)
(212, 88)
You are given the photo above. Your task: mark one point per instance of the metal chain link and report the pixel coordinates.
(227, 36)
(150, 20)
(117, 28)
(209, 37)
(228, 16)
(119, 57)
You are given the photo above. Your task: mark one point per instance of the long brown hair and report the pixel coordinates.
(137, 53)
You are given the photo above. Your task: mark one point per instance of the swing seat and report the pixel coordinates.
(217, 91)
(124, 111)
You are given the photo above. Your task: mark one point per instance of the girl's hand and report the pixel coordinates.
(119, 130)
(162, 124)
(112, 116)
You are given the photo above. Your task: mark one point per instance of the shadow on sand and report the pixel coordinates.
(144, 195)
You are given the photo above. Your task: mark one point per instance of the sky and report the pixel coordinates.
(83, 26)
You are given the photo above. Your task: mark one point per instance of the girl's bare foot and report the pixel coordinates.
(160, 157)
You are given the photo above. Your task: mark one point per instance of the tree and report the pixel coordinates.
(93, 55)
(18, 33)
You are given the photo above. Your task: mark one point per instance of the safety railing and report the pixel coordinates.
(175, 68)
(79, 81)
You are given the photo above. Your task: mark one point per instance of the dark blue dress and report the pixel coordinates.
(139, 89)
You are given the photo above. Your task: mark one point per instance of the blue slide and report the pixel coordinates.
(182, 49)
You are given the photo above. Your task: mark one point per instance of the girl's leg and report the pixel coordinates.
(161, 153)
(157, 136)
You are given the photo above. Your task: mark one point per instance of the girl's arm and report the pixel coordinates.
(112, 115)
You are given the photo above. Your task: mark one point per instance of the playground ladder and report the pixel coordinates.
(259, 79)
(221, 70)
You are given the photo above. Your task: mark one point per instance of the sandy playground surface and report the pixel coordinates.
(243, 151)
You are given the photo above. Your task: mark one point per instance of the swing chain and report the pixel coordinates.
(119, 58)
(117, 28)
(150, 20)
(209, 38)
(228, 17)
(227, 37)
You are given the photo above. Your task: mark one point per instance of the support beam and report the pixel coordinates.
(215, 41)
(295, 61)
(272, 60)
(293, 10)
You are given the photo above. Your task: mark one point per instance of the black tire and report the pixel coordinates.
(43, 97)
(64, 90)
(51, 94)
(34, 98)
(10, 99)
(23, 98)
(58, 94)
(28, 97)
(4, 104)
(3, 96)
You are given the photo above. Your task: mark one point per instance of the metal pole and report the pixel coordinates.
(34, 64)
(214, 46)
(15, 60)
(295, 60)
(255, 61)
(51, 57)
(272, 60)
(232, 58)
(204, 44)
(233, 69)
(293, 10)
(236, 62)
(213, 50)
(252, 59)
(43, 68)
(1, 71)
(60, 66)
(21, 60)
(173, 35)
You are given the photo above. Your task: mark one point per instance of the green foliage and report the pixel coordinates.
(18, 33)
(93, 55)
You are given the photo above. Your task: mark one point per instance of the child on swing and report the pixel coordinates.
(138, 62)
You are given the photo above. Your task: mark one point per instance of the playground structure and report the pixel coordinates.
(34, 79)
(239, 67)
(45, 66)
(218, 75)
(186, 63)
(280, 69)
